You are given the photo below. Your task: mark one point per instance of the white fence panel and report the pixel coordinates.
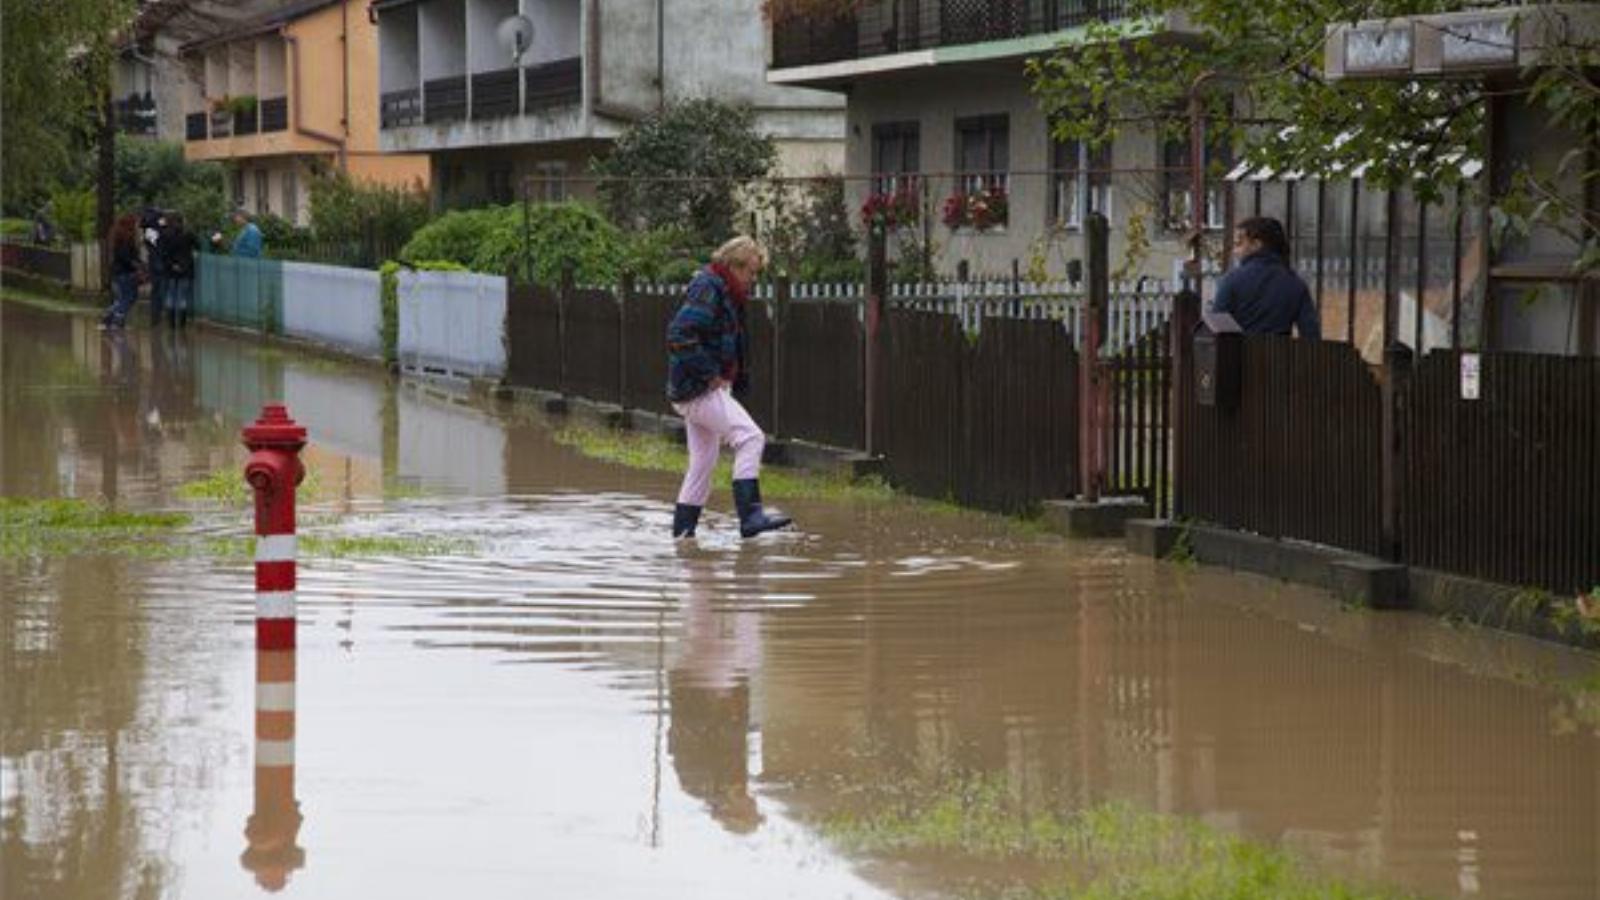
(335, 306)
(452, 322)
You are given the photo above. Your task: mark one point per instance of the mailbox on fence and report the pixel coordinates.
(1218, 361)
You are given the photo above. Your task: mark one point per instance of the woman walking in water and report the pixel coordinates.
(706, 367)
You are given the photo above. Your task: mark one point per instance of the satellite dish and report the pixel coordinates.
(516, 35)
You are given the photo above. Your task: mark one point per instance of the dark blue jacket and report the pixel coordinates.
(1265, 296)
(705, 340)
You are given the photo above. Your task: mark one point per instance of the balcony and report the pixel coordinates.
(929, 24)
(221, 123)
(445, 99)
(553, 84)
(274, 114)
(494, 94)
(136, 115)
(194, 126)
(397, 109)
(245, 123)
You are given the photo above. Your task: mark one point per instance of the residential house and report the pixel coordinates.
(288, 97)
(1526, 289)
(939, 102)
(490, 119)
(149, 79)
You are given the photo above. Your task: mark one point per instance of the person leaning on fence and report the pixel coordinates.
(706, 367)
(249, 241)
(1262, 293)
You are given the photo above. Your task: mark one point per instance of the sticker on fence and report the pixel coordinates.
(1471, 370)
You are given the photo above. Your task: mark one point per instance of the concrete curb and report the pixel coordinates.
(1359, 580)
(1107, 518)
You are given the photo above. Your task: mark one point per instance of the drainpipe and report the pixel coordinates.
(294, 45)
(344, 43)
(661, 54)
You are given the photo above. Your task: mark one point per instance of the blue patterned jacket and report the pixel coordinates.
(706, 339)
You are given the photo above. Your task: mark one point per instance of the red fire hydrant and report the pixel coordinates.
(274, 471)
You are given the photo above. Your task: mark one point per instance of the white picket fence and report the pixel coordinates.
(452, 323)
(330, 305)
(1133, 311)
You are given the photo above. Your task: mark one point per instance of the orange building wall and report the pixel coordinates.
(322, 82)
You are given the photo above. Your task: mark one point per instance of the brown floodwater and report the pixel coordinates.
(566, 703)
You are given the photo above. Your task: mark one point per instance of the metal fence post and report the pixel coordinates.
(1185, 318)
(625, 290)
(563, 297)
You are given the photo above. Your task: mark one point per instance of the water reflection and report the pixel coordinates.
(274, 824)
(652, 717)
(718, 650)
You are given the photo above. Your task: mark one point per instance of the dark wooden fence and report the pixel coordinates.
(991, 423)
(1300, 456)
(1139, 458)
(610, 347)
(45, 262)
(1505, 487)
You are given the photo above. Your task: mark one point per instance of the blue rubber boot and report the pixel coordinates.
(684, 520)
(753, 520)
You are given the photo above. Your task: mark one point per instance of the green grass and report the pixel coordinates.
(658, 454)
(70, 528)
(1111, 850)
(655, 453)
(227, 487)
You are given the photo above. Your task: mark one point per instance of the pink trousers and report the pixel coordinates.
(713, 419)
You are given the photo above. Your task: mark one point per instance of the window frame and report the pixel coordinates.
(995, 173)
(1178, 180)
(903, 176)
(1064, 176)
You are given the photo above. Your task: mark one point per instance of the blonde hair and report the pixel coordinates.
(742, 247)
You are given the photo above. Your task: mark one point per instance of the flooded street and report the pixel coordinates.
(556, 699)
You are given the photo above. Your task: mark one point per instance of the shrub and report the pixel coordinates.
(74, 213)
(684, 166)
(16, 228)
(497, 240)
(346, 211)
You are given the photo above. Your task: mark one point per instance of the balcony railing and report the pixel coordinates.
(194, 126)
(136, 115)
(221, 123)
(397, 109)
(494, 94)
(274, 114)
(923, 24)
(553, 84)
(246, 123)
(445, 99)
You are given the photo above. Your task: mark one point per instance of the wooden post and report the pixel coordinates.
(877, 293)
(781, 290)
(1091, 393)
(1396, 393)
(1185, 318)
(625, 293)
(563, 297)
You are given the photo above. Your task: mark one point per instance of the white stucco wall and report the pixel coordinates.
(557, 29)
(399, 51)
(444, 38)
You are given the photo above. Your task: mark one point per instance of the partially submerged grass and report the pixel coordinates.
(227, 487)
(1106, 851)
(67, 528)
(654, 453)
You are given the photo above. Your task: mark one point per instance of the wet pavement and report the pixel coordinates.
(579, 707)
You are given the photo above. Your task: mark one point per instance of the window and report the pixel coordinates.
(896, 153)
(291, 196)
(983, 152)
(500, 190)
(1177, 184)
(262, 207)
(550, 182)
(1066, 183)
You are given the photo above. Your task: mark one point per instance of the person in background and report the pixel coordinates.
(125, 271)
(154, 229)
(249, 241)
(706, 367)
(1262, 293)
(178, 248)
